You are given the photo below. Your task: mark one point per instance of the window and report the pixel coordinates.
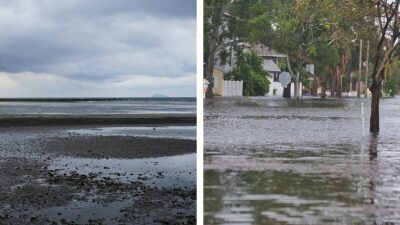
(276, 77)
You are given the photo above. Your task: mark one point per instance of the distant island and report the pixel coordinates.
(159, 96)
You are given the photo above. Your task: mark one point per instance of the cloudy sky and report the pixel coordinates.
(75, 48)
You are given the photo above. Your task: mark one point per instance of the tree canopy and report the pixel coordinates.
(302, 29)
(249, 69)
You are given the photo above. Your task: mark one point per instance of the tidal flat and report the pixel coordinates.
(98, 174)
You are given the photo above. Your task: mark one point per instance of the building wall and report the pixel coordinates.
(218, 76)
(275, 85)
(232, 88)
(292, 89)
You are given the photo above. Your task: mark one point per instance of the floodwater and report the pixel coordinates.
(275, 161)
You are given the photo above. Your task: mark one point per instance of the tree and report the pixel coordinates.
(326, 57)
(249, 69)
(345, 18)
(387, 16)
(228, 23)
(216, 26)
(392, 79)
(298, 24)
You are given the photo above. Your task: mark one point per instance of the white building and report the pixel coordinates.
(270, 64)
(271, 59)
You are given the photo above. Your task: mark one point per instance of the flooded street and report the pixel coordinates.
(275, 161)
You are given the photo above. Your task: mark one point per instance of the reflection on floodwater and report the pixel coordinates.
(270, 161)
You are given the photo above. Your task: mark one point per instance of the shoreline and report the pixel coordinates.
(96, 119)
(97, 99)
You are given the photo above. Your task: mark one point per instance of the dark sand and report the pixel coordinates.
(94, 119)
(33, 193)
(115, 146)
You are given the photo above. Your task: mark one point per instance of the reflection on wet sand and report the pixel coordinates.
(85, 175)
(303, 168)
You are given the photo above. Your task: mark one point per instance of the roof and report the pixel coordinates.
(264, 51)
(224, 67)
(219, 68)
(270, 66)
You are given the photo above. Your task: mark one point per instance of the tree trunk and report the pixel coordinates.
(286, 91)
(340, 70)
(297, 78)
(296, 85)
(375, 88)
(359, 72)
(334, 85)
(212, 50)
(377, 75)
(339, 81)
(351, 83)
(314, 88)
(323, 91)
(374, 120)
(209, 76)
(338, 88)
(323, 88)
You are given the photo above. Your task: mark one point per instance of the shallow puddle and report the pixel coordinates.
(169, 172)
(87, 212)
(177, 132)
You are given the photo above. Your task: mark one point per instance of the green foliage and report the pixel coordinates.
(223, 55)
(321, 32)
(249, 69)
(259, 29)
(213, 22)
(282, 65)
(228, 23)
(326, 58)
(303, 27)
(391, 85)
(306, 78)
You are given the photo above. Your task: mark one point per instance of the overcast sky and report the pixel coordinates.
(98, 48)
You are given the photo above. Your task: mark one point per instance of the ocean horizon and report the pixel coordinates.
(98, 105)
(72, 99)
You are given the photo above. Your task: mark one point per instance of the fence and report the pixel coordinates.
(232, 88)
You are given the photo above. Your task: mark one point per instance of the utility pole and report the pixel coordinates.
(351, 83)
(359, 71)
(366, 72)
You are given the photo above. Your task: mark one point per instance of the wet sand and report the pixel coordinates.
(50, 175)
(95, 119)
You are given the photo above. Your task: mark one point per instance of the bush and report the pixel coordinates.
(391, 83)
(249, 69)
(391, 86)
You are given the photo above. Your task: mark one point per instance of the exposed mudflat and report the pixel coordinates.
(50, 175)
(58, 119)
(115, 146)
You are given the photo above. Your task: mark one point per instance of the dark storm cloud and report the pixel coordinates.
(89, 8)
(99, 39)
